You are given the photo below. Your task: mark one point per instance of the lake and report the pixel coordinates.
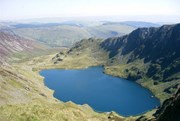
(104, 93)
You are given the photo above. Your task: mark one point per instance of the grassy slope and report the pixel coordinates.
(120, 70)
(24, 97)
(116, 68)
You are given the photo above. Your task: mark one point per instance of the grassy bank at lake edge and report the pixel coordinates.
(36, 102)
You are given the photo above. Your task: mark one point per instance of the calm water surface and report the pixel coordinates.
(102, 92)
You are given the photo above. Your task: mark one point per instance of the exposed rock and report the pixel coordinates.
(170, 110)
(42, 94)
(27, 88)
(159, 46)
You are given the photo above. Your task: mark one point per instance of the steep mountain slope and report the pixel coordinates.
(158, 45)
(170, 109)
(11, 44)
(150, 53)
(14, 84)
(14, 47)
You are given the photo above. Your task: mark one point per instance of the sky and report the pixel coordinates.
(27, 9)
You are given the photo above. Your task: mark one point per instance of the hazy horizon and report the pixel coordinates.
(114, 10)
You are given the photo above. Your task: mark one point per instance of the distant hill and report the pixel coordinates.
(109, 30)
(135, 24)
(140, 24)
(67, 33)
(61, 35)
(35, 25)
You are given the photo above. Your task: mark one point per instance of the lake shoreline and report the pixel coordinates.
(75, 68)
(153, 95)
(44, 62)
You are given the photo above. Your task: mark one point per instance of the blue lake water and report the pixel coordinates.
(104, 93)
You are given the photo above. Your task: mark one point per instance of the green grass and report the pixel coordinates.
(25, 98)
(48, 111)
(120, 70)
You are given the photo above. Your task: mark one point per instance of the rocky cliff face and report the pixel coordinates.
(159, 48)
(170, 109)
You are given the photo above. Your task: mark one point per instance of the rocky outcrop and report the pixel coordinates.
(170, 110)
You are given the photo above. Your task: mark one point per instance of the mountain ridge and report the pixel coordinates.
(151, 44)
